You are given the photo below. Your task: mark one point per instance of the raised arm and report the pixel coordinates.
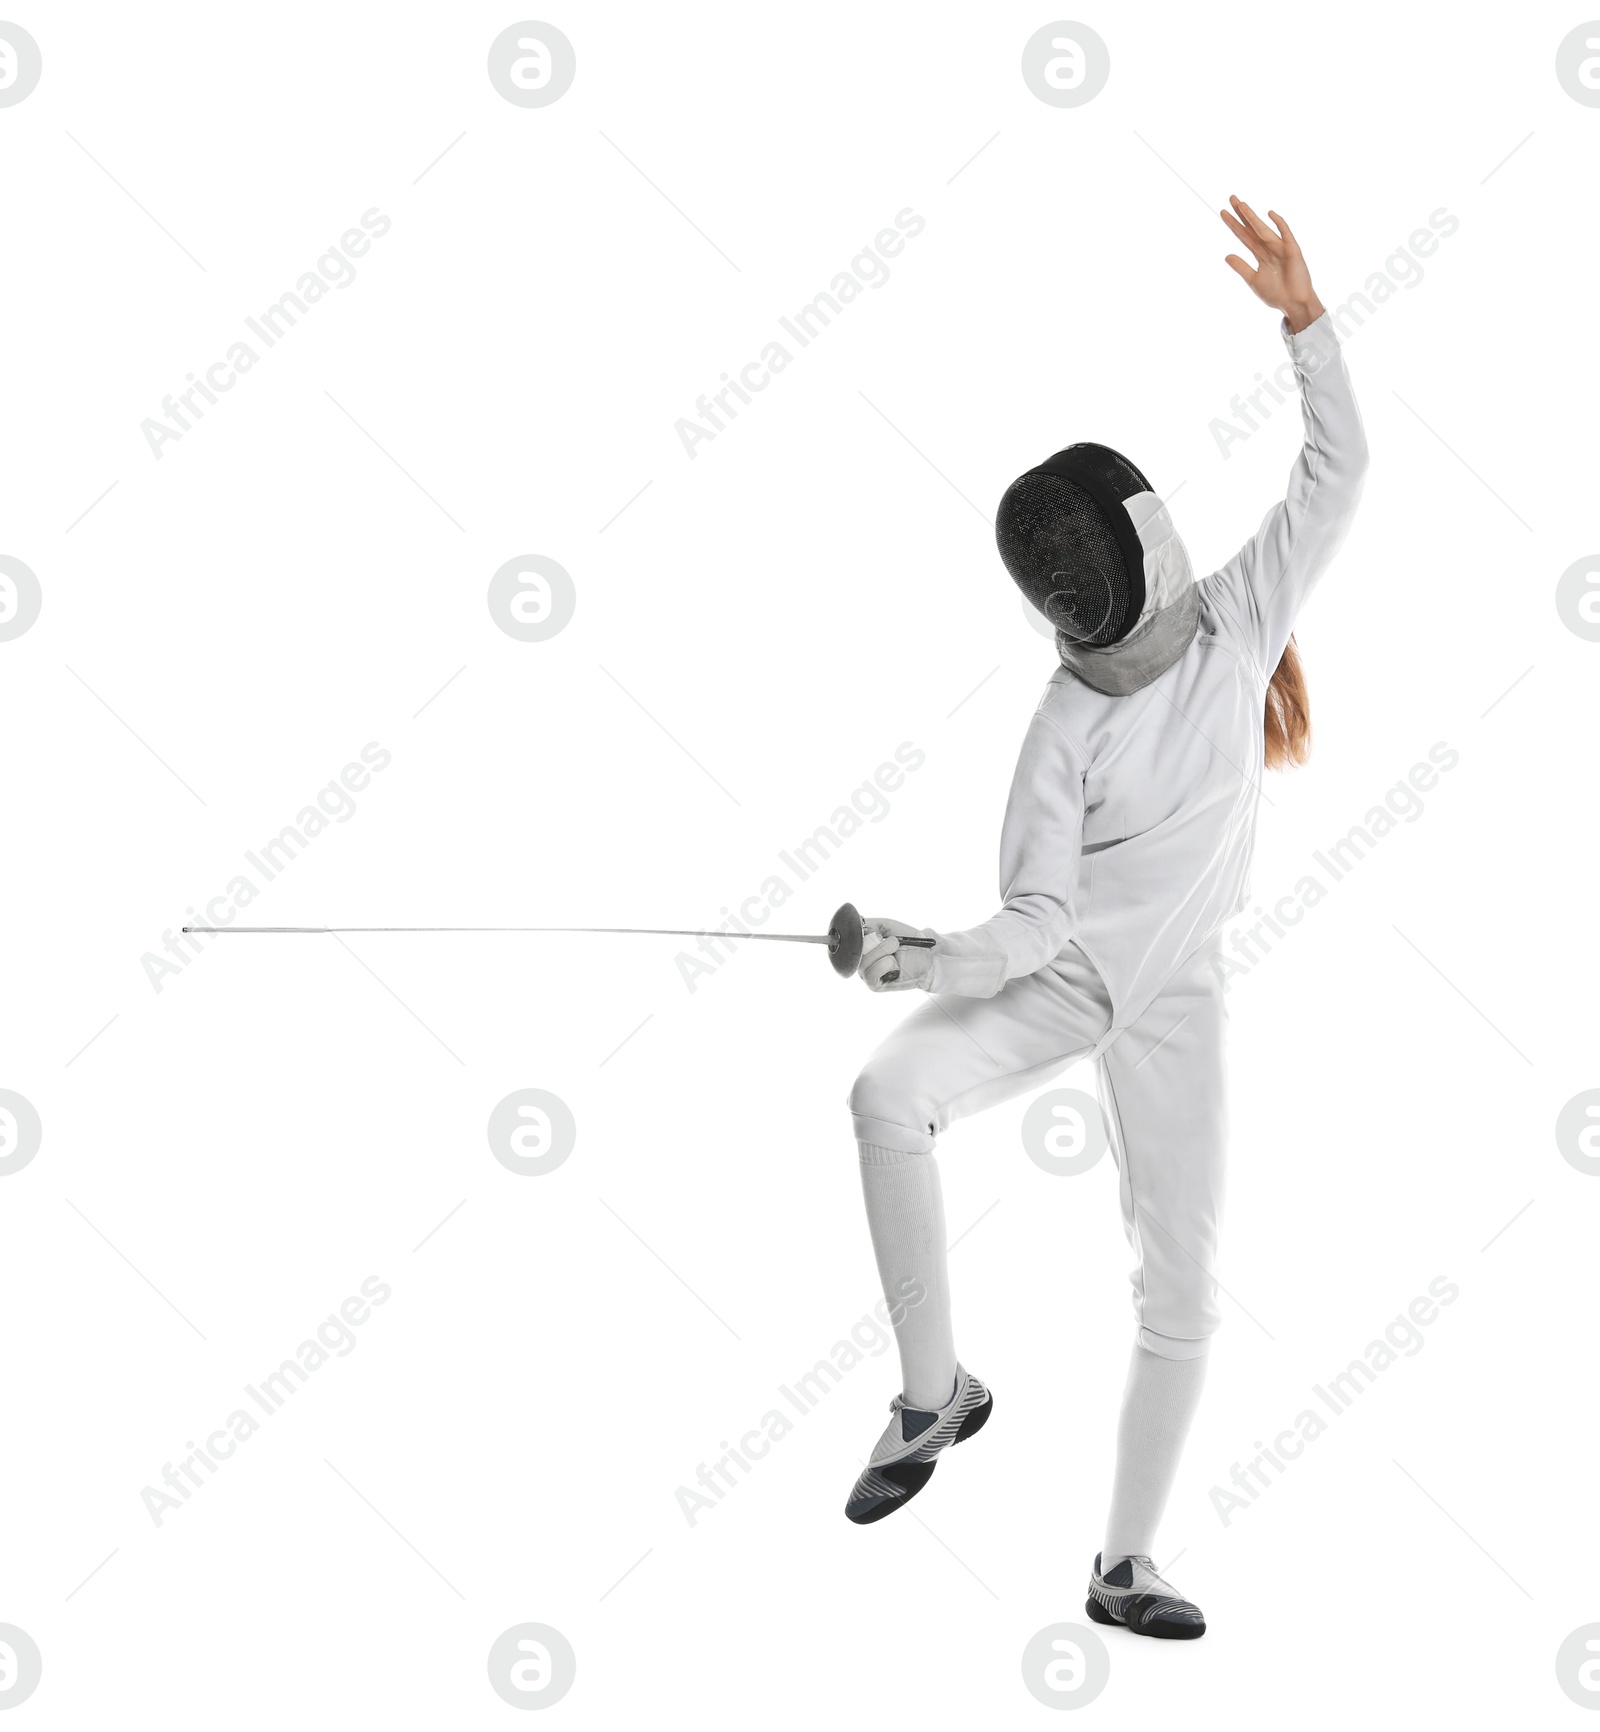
(1265, 583)
(1040, 843)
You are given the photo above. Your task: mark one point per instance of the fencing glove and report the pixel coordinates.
(887, 965)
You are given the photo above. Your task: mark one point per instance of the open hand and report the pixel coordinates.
(1280, 278)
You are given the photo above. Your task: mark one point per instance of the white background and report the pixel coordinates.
(234, 1154)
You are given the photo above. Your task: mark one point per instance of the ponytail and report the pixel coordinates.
(1288, 718)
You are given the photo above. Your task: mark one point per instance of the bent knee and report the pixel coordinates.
(1174, 1346)
(888, 1116)
(1178, 1317)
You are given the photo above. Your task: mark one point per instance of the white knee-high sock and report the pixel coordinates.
(1158, 1403)
(905, 1214)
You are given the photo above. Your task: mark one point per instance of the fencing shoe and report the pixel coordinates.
(1133, 1595)
(904, 1460)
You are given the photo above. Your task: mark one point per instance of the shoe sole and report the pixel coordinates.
(1170, 1633)
(914, 1475)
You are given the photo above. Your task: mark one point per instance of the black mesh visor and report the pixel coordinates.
(1065, 557)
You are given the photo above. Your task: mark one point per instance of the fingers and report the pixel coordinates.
(879, 953)
(1284, 229)
(1242, 268)
(885, 966)
(1237, 229)
(1250, 217)
(880, 971)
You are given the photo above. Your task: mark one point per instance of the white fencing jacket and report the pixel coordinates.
(1131, 820)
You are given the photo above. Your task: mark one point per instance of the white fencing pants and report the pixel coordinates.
(1162, 1087)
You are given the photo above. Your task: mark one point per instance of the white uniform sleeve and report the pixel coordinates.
(1263, 586)
(1039, 848)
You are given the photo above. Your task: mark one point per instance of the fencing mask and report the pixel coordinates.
(1094, 550)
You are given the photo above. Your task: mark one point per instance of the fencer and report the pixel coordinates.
(1126, 846)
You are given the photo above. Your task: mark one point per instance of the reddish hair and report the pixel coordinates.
(1288, 720)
